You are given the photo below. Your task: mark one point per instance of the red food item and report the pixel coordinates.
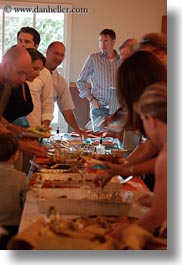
(58, 184)
(92, 135)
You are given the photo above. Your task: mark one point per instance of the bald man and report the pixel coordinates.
(16, 63)
(54, 56)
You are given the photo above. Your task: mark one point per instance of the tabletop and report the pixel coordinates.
(37, 233)
(33, 216)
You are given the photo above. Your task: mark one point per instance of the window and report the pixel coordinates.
(50, 23)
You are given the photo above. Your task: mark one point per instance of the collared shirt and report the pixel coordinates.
(102, 73)
(41, 89)
(61, 92)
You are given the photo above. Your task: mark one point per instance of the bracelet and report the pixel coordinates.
(91, 99)
(132, 171)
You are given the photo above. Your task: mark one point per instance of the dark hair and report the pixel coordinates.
(109, 32)
(33, 32)
(156, 40)
(153, 101)
(136, 73)
(35, 55)
(8, 146)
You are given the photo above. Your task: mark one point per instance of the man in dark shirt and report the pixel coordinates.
(16, 64)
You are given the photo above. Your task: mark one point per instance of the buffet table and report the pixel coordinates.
(31, 212)
(64, 210)
(34, 224)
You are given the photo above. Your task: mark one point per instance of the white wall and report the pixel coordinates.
(129, 18)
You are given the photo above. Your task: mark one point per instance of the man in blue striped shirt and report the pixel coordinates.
(101, 68)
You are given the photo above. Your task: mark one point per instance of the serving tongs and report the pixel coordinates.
(101, 191)
(60, 166)
(123, 181)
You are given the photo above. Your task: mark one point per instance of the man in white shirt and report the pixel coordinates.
(41, 91)
(41, 88)
(54, 56)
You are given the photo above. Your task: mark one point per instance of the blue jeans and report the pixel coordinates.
(98, 115)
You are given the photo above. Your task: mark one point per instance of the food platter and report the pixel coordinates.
(82, 201)
(39, 131)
